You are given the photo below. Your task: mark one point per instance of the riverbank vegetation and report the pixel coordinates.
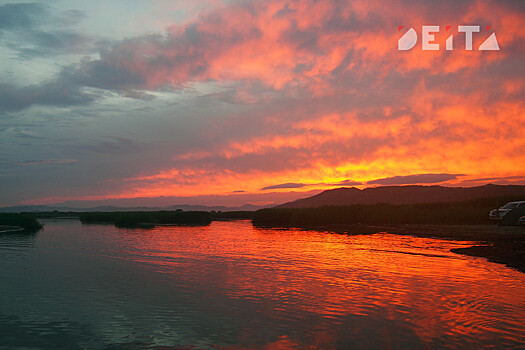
(472, 212)
(462, 221)
(14, 221)
(146, 219)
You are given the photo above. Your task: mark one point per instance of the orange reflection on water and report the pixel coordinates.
(344, 286)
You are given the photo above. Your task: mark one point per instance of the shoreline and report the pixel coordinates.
(9, 229)
(500, 244)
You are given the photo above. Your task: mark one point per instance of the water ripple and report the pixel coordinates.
(230, 286)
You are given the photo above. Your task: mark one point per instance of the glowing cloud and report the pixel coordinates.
(291, 94)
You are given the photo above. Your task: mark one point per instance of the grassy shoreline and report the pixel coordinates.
(18, 222)
(460, 221)
(474, 212)
(144, 219)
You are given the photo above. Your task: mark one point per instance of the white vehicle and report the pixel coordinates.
(498, 214)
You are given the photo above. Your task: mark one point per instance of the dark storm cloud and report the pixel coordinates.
(33, 29)
(415, 179)
(21, 16)
(105, 74)
(67, 88)
(58, 93)
(49, 43)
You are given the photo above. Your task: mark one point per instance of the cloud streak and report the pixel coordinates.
(48, 161)
(415, 179)
(301, 185)
(281, 186)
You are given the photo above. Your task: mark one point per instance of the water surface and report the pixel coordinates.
(229, 285)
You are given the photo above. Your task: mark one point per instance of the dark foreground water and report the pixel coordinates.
(232, 286)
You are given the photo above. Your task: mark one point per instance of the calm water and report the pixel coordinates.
(232, 286)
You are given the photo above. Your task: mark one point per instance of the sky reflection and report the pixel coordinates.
(233, 286)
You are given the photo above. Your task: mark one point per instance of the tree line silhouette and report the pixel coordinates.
(469, 212)
(27, 221)
(130, 219)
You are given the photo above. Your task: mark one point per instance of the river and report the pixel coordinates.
(230, 285)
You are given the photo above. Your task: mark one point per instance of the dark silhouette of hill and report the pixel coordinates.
(110, 208)
(413, 194)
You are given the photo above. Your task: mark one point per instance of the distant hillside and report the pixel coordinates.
(108, 208)
(405, 195)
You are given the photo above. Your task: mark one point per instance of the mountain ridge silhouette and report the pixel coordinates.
(408, 194)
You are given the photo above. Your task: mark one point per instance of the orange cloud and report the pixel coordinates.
(328, 97)
(267, 42)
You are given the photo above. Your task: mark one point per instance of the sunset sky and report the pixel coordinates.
(226, 102)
